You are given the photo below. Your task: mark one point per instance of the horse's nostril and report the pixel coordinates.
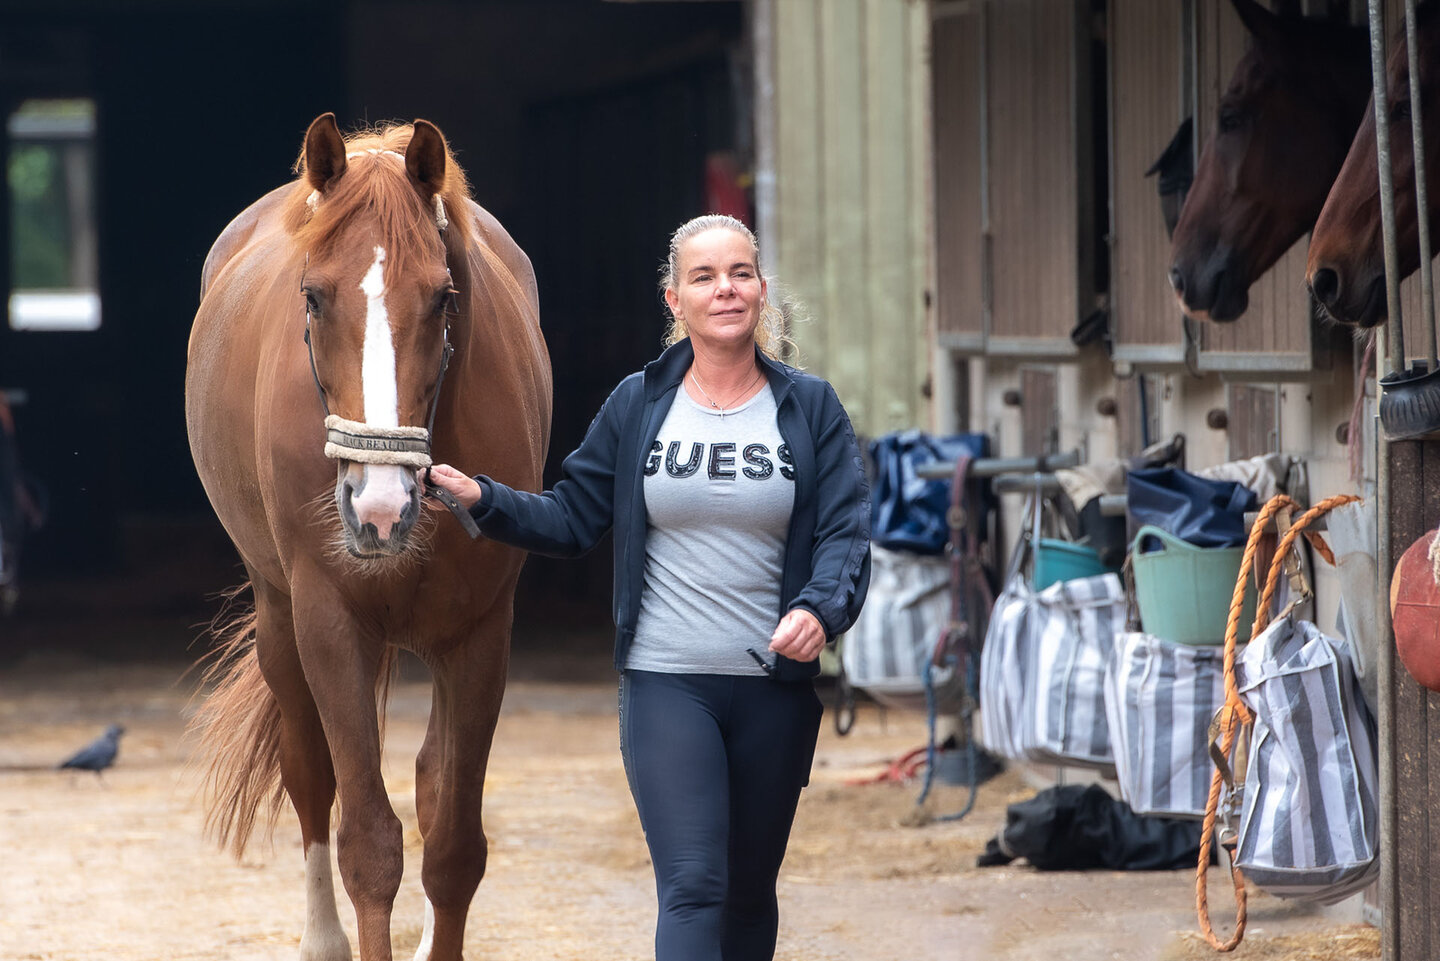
(1177, 280)
(346, 499)
(1325, 285)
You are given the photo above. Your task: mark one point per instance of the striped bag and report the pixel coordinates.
(1042, 670)
(1003, 668)
(905, 616)
(1159, 699)
(1072, 634)
(1310, 812)
(1294, 792)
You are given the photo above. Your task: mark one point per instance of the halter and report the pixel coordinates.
(357, 441)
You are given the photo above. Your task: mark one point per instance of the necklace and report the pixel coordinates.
(706, 394)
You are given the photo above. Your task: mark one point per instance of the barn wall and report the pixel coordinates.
(1039, 163)
(852, 223)
(958, 67)
(1412, 930)
(1147, 64)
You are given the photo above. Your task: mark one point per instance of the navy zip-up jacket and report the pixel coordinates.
(827, 551)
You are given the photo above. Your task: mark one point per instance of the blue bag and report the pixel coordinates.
(1198, 510)
(909, 510)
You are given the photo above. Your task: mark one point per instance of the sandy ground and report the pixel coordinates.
(119, 869)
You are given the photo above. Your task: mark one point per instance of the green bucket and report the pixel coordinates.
(1184, 591)
(1057, 560)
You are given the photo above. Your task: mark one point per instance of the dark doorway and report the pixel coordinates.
(584, 125)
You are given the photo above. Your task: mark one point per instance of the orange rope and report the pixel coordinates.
(1234, 716)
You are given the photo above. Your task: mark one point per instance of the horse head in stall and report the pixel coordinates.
(352, 325)
(1281, 131)
(1346, 265)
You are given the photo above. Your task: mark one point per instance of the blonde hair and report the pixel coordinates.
(771, 335)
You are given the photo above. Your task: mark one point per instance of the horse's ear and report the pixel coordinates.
(1177, 152)
(324, 152)
(1263, 25)
(425, 158)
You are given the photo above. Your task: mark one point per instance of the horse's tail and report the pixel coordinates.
(238, 724)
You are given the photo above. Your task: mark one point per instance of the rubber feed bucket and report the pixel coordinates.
(1057, 560)
(1184, 591)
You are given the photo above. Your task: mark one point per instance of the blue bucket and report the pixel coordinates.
(1057, 560)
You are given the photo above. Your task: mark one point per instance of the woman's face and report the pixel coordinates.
(718, 289)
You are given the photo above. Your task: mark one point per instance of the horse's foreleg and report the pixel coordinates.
(341, 671)
(305, 771)
(450, 780)
(427, 769)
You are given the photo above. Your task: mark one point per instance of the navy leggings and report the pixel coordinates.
(715, 765)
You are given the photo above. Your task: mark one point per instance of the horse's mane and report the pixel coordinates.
(375, 183)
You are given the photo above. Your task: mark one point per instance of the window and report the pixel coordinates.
(50, 174)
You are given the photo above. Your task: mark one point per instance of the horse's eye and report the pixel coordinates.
(312, 306)
(1230, 119)
(1400, 111)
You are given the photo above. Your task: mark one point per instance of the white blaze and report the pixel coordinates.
(382, 498)
(324, 939)
(377, 365)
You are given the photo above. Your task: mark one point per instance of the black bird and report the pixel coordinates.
(98, 754)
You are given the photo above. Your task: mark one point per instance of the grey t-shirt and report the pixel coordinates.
(719, 492)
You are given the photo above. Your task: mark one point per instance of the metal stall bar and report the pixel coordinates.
(995, 466)
(1422, 204)
(1113, 505)
(1389, 780)
(1394, 334)
(1387, 186)
(1044, 484)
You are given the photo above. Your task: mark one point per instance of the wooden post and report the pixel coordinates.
(1410, 754)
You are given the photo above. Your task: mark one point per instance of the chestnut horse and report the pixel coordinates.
(1281, 132)
(317, 385)
(1346, 266)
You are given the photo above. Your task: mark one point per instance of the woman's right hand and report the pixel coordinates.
(462, 486)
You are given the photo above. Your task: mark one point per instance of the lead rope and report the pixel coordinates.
(467, 521)
(432, 490)
(1234, 718)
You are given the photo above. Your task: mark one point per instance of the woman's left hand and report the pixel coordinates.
(799, 636)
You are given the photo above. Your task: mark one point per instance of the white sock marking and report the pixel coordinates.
(427, 937)
(323, 939)
(377, 364)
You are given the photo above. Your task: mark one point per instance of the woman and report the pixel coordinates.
(742, 516)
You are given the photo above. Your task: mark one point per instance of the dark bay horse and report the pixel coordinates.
(1346, 265)
(1281, 132)
(317, 385)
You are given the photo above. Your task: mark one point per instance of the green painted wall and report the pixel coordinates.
(851, 212)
